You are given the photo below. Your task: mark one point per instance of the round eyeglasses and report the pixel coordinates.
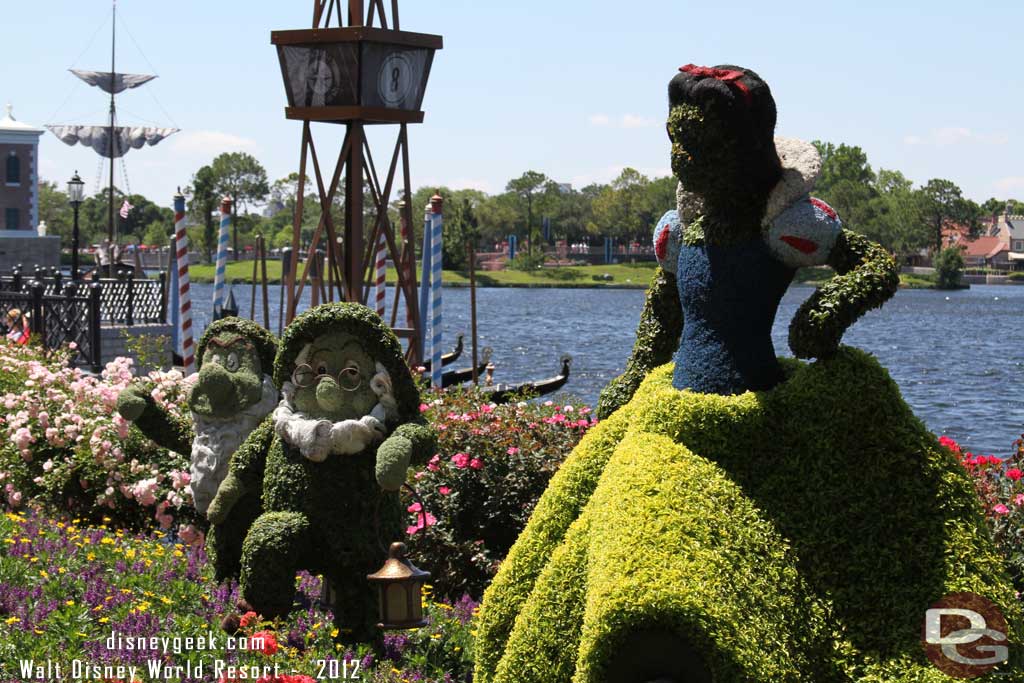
(349, 379)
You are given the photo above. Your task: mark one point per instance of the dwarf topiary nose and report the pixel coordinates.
(329, 395)
(215, 382)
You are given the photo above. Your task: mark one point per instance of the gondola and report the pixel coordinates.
(455, 377)
(503, 393)
(447, 358)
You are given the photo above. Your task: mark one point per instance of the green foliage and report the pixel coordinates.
(94, 217)
(526, 187)
(526, 262)
(942, 202)
(147, 350)
(657, 338)
(203, 201)
(949, 267)
(461, 228)
(718, 522)
(491, 465)
(866, 277)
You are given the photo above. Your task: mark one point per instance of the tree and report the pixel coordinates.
(996, 207)
(55, 210)
(942, 202)
(949, 266)
(460, 229)
(241, 177)
(896, 222)
(203, 200)
(525, 187)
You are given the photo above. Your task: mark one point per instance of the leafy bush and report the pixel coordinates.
(527, 262)
(949, 266)
(1001, 489)
(492, 465)
(67, 450)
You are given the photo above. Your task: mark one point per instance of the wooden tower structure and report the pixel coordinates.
(356, 67)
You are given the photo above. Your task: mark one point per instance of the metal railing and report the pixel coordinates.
(59, 318)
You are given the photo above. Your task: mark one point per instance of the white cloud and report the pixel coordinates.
(955, 135)
(209, 142)
(625, 121)
(1010, 184)
(636, 121)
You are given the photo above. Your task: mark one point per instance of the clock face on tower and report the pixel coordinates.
(394, 79)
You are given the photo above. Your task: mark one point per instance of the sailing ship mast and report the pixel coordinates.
(111, 141)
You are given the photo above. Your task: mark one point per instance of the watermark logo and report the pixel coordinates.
(965, 635)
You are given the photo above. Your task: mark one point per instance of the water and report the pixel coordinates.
(957, 356)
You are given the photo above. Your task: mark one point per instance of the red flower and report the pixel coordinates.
(443, 490)
(248, 619)
(476, 463)
(1014, 474)
(269, 642)
(460, 460)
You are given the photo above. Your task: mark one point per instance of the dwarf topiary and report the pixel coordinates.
(743, 518)
(233, 395)
(341, 442)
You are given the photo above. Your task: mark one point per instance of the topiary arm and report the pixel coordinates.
(412, 442)
(657, 338)
(866, 277)
(246, 473)
(157, 424)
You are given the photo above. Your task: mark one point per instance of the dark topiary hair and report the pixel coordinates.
(740, 100)
(376, 337)
(265, 342)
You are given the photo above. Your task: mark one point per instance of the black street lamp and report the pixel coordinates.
(76, 193)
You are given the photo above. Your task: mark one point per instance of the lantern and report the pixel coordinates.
(355, 73)
(399, 584)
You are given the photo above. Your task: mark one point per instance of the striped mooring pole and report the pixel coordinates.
(379, 285)
(425, 279)
(219, 275)
(436, 205)
(184, 298)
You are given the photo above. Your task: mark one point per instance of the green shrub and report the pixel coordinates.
(526, 262)
(492, 464)
(949, 267)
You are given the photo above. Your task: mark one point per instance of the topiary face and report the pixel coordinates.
(333, 380)
(231, 376)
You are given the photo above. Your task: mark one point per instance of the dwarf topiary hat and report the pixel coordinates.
(265, 342)
(377, 339)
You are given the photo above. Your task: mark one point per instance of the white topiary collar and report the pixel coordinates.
(801, 166)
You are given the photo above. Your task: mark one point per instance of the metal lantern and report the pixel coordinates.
(76, 190)
(399, 584)
(355, 73)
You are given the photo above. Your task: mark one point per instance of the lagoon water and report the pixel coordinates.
(958, 357)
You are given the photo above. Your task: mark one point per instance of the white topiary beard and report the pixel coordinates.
(216, 440)
(317, 438)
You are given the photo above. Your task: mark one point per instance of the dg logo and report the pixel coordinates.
(965, 635)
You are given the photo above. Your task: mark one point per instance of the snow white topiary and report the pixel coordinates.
(233, 395)
(346, 430)
(743, 518)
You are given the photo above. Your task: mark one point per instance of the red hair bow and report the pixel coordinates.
(727, 76)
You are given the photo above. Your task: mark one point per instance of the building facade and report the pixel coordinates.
(19, 170)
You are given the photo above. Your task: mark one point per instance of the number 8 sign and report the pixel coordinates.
(394, 79)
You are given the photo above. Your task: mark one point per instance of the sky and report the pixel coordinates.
(574, 89)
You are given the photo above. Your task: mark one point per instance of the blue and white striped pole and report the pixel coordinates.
(220, 274)
(436, 204)
(512, 247)
(425, 280)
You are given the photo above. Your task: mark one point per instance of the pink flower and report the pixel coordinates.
(1001, 509)
(145, 491)
(424, 407)
(180, 479)
(512, 450)
(415, 507)
(1014, 474)
(190, 535)
(413, 528)
(460, 460)
(433, 464)
(1018, 500)
(476, 463)
(444, 491)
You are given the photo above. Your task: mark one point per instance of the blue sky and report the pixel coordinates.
(573, 89)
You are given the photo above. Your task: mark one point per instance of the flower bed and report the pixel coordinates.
(1001, 490)
(492, 465)
(65, 589)
(68, 451)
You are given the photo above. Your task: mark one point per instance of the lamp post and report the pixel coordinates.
(76, 192)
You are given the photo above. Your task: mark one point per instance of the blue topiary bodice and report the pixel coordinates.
(729, 296)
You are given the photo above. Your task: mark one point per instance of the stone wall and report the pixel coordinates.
(28, 250)
(114, 343)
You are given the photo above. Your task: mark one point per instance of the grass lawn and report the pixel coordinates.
(629, 275)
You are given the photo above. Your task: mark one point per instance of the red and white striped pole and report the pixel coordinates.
(184, 298)
(379, 285)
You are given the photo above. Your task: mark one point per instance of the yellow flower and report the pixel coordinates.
(104, 620)
(435, 636)
(334, 633)
(107, 540)
(42, 573)
(11, 620)
(143, 606)
(10, 540)
(61, 570)
(37, 632)
(166, 600)
(90, 557)
(70, 603)
(130, 553)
